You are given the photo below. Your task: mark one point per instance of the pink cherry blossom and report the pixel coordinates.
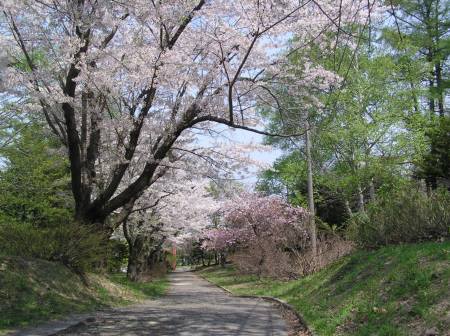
(126, 86)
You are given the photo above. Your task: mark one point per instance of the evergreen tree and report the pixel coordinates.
(34, 180)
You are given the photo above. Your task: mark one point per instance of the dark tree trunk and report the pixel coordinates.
(223, 259)
(439, 84)
(137, 260)
(153, 259)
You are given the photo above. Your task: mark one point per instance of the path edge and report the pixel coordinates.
(301, 324)
(52, 328)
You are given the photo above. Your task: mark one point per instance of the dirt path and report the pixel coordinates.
(193, 307)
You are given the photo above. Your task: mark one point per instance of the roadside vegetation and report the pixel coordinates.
(34, 290)
(396, 290)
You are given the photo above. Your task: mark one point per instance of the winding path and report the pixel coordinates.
(193, 307)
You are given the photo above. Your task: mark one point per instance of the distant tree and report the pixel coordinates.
(363, 137)
(435, 165)
(287, 178)
(419, 34)
(420, 39)
(178, 212)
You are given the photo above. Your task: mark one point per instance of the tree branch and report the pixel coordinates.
(233, 125)
(184, 24)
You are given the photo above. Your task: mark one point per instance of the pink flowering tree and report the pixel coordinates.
(220, 239)
(171, 214)
(264, 229)
(220, 242)
(127, 84)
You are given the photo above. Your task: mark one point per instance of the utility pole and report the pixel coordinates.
(311, 208)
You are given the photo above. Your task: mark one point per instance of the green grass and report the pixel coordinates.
(397, 290)
(144, 290)
(33, 291)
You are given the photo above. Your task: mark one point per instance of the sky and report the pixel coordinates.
(266, 157)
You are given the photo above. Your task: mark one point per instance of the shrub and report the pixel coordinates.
(294, 263)
(269, 237)
(330, 248)
(264, 259)
(117, 256)
(405, 216)
(77, 246)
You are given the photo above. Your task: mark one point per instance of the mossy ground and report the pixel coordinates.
(396, 290)
(33, 291)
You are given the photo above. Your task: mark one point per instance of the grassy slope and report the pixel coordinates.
(398, 290)
(35, 290)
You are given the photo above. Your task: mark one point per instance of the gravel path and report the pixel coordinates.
(193, 307)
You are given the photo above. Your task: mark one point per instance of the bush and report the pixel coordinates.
(406, 216)
(77, 246)
(264, 259)
(291, 264)
(117, 255)
(330, 248)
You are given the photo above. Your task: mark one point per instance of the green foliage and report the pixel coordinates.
(375, 130)
(35, 181)
(366, 134)
(117, 255)
(77, 246)
(170, 259)
(420, 39)
(36, 204)
(394, 291)
(37, 58)
(404, 216)
(436, 163)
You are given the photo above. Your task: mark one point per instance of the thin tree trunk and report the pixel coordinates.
(360, 199)
(311, 208)
(372, 190)
(347, 207)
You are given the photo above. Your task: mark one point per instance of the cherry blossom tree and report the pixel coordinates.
(171, 216)
(263, 229)
(181, 203)
(220, 241)
(127, 84)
